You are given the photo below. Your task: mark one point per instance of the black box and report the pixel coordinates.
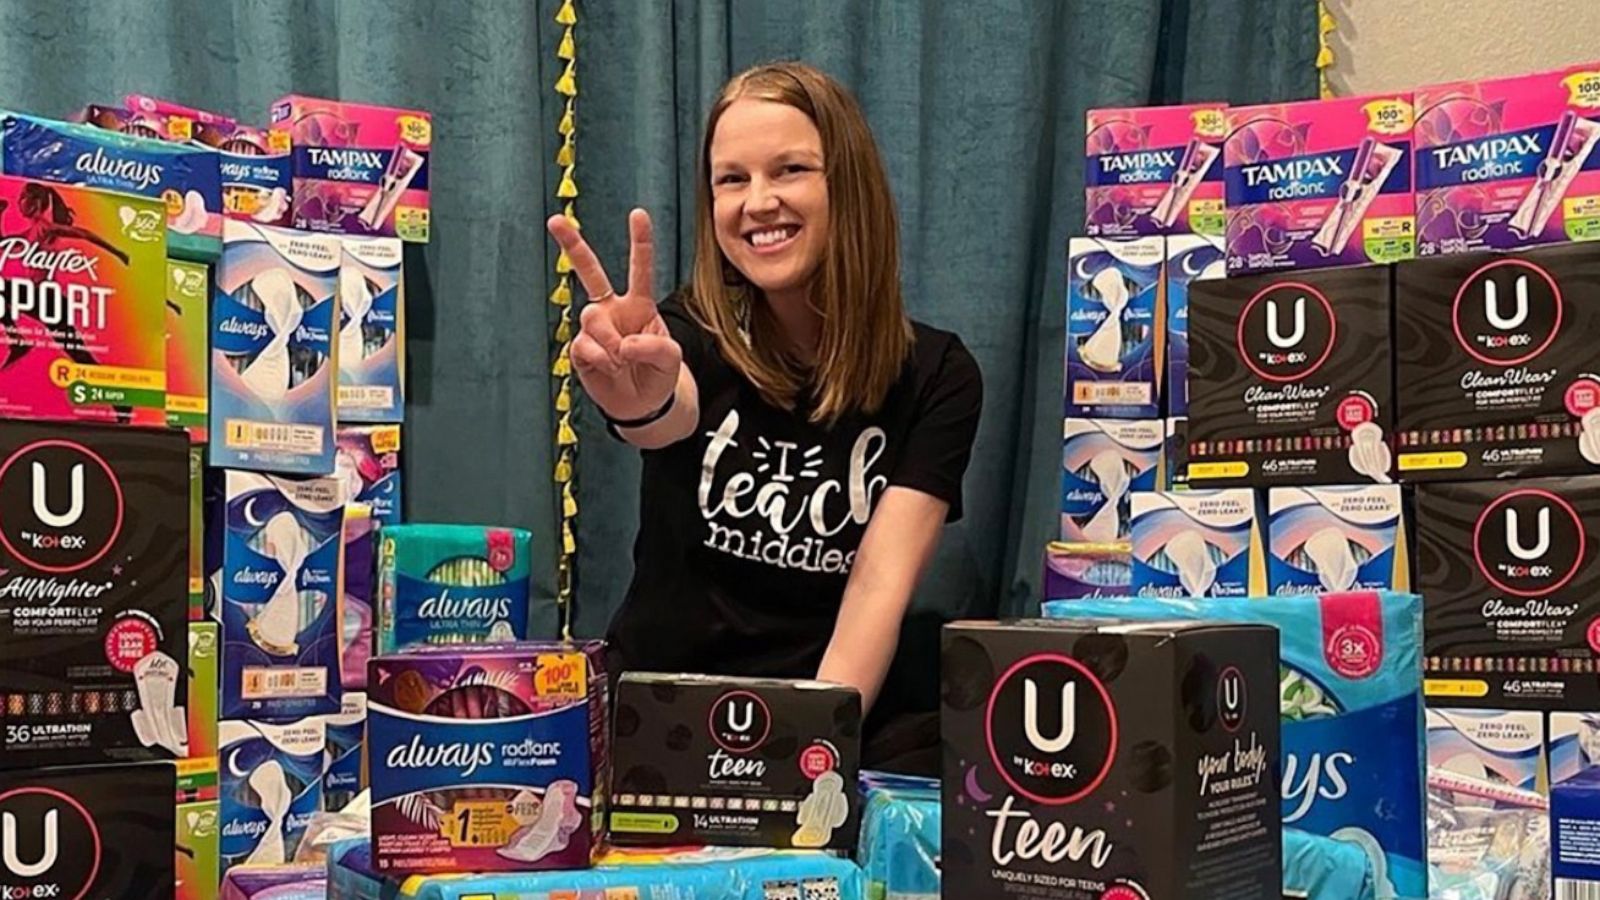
(1092, 759)
(1499, 355)
(90, 832)
(1290, 379)
(1511, 592)
(94, 530)
(700, 759)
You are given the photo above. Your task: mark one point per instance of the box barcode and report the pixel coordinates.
(1573, 889)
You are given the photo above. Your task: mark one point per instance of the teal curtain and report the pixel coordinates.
(978, 108)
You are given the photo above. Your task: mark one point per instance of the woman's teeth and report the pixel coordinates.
(772, 236)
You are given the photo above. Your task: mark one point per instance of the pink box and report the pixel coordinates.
(358, 169)
(156, 106)
(1319, 183)
(1509, 162)
(1154, 170)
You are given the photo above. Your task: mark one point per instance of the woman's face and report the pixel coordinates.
(769, 193)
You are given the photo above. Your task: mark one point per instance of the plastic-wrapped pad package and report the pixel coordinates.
(1350, 695)
(1487, 841)
(899, 849)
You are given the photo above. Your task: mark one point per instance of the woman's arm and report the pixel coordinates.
(675, 425)
(894, 552)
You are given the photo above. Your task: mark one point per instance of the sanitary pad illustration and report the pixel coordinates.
(183, 177)
(1508, 162)
(1154, 170)
(1350, 698)
(368, 462)
(274, 356)
(271, 786)
(1102, 462)
(358, 169)
(372, 331)
(1335, 539)
(276, 553)
(1319, 183)
(452, 584)
(486, 759)
(256, 166)
(1114, 329)
(1197, 544)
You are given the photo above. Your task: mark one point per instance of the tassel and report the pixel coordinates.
(564, 329)
(568, 188)
(567, 84)
(569, 122)
(564, 467)
(568, 48)
(565, 436)
(564, 155)
(564, 396)
(563, 263)
(563, 364)
(572, 216)
(568, 544)
(566, 15)
(1325, 57)
(1326, 23)
(562, 295)
(569, 503)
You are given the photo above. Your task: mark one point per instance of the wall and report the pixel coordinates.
(1385, 45)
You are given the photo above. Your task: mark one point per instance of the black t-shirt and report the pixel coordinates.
(749, 527)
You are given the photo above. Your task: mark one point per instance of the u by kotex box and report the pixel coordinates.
(81, 288)
(1154, 170)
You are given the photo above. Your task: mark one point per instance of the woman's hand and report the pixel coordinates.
(627, 361)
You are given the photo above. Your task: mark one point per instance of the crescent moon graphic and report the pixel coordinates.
(974, 790)
(1079, 269)
(250, 512)
(1188, 265)
(233, 764)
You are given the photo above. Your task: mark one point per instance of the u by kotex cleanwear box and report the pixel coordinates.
(1154, 170)
(89, 832)
(740, 762)
(1190, 258)
(487, 759)
(367, 459)
(1319, 183)
(1108, 758)
(273, 355)
(372, 331)
(271, 787)
(188, 327)
(1350, 699)
(93, 599)
(1499, 364)
(1504, 163)
(1197, 544)
(1103, 461)
(275, 549)
(452, 584)
(1290, 379)
(182, 178)
(1335, 539)
(358, 169)
(81, 329)
(1114, 330)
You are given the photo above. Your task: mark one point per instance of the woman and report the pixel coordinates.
(804, 442)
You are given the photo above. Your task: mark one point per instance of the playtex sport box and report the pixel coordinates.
(1154, 170)
(92, 832)
(1190, 258)
(372, 331)
(358, 169)
(275, 552)
(1319, 183)
(1508, 162)
(1102, 758)
(1336, 539)
(1103, 461)
(80, 305)
(93, 601)
(182, 177)
(751, 762)
(272, 351)
(1289, 379)
(452, 584)
(1513, 592)
(1114, 332)
(367, 460)
(1197, 544)
(1349, 695)
(1501, 368)
(487, 759)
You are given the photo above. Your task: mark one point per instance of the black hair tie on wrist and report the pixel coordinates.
(614, 426)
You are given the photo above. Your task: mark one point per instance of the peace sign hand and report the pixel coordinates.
(625, 357)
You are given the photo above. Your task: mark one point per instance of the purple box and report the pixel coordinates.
(1154, 170)
(1075, 571)
(276, 882)
(489, 759)
(360, 570)
(367, 460)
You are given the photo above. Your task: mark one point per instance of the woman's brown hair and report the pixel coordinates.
(865, 334)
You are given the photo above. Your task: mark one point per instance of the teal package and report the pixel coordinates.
(899, 849)
(452, 584)
(1351, 705)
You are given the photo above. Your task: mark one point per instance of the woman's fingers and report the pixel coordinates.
(641, 255)
(598, 322)
(584, 262)
(588, 356)
(653, 351)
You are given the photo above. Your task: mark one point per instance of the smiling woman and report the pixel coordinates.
(804, 440)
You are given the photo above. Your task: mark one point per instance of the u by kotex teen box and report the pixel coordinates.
(81, 328)
(1154, 170)
(358, 169)
(1319, 183)
(1508, 162)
